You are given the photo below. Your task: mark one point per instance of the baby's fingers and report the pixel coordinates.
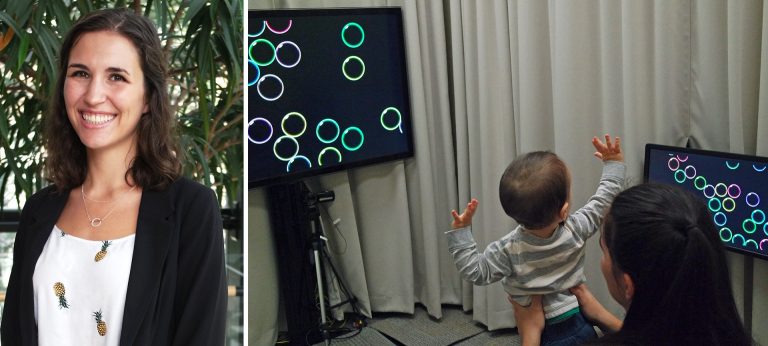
(608, 143)
(599, 146)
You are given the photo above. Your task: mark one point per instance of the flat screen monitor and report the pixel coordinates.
(734, 186)
(327, 91)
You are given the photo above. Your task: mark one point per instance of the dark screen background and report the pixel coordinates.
(317, 89)
(716, 177)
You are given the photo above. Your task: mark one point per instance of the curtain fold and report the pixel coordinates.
(490, 80)
(762, 107)
(760, 310)
(262, 293)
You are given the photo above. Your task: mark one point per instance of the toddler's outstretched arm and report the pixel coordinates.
(465, 218)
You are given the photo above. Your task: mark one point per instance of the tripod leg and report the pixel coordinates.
(321, 292)
(351, 299)
(359, 319)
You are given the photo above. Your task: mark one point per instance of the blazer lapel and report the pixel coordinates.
(153, 237)
(37, 231)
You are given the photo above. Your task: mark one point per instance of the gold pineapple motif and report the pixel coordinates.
(59, 291)
(103, 253)
(101, 326)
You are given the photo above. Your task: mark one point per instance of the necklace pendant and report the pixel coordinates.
(96, 222)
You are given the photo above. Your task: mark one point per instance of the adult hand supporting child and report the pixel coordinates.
(594, 311)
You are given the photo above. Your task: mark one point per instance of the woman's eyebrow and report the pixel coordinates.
(118, 69)
(109, 69)
(82, 66)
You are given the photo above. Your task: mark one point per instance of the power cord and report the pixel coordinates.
(336, 227)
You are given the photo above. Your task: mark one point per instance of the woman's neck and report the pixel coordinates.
(107, 172)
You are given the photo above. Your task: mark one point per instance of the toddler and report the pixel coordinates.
(544, 254)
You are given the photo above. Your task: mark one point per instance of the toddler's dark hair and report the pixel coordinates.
(534, 188)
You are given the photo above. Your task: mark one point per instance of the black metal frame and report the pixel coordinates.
(9, 220)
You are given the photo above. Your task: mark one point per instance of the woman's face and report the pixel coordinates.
(613, 281)
(104, 90)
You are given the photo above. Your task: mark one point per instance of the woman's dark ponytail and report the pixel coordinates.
(665, 240)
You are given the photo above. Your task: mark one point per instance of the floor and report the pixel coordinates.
(454, 328)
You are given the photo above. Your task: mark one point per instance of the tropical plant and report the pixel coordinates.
(203, 41)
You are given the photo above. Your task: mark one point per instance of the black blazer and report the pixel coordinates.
(177, 285)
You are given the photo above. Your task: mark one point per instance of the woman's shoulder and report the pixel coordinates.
(187, 184)
(42, 196)
(45, 192)
(187, 189)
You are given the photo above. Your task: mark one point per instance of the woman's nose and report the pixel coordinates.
(95, 93)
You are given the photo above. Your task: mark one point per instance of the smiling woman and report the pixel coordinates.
(121, 249)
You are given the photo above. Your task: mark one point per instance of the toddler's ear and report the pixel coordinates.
(564, 211)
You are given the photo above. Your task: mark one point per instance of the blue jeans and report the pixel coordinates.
(573, 331)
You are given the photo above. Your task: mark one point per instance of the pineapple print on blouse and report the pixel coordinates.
(59, 291)
(80, 288)
(101, 326)
(103, 253)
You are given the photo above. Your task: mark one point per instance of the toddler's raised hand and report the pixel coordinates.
(465, 219)
(608, 151)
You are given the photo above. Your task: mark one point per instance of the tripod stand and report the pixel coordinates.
(319, 254)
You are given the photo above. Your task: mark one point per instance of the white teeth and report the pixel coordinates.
(97, 119)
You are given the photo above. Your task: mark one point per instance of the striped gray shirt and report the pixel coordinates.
(528, 265)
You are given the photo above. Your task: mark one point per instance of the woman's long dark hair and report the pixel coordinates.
(664, 238)
(156, 163)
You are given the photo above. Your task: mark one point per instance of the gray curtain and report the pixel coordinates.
(492, 79)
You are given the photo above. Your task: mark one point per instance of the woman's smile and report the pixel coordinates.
(96, 120)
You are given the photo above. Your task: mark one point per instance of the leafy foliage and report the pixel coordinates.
(203, 42)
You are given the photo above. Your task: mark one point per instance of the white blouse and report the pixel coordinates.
(80, 287)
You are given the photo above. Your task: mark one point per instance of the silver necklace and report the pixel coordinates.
(97, 221)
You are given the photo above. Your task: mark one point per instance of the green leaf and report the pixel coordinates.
(22, 53)
(6, 19)
(61, 15)
(83, 6)
(194, 7)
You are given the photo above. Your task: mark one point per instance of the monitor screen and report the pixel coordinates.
(734, 186)
(327, 91)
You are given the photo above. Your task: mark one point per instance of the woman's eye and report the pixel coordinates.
(117, 78)
(79, 74)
